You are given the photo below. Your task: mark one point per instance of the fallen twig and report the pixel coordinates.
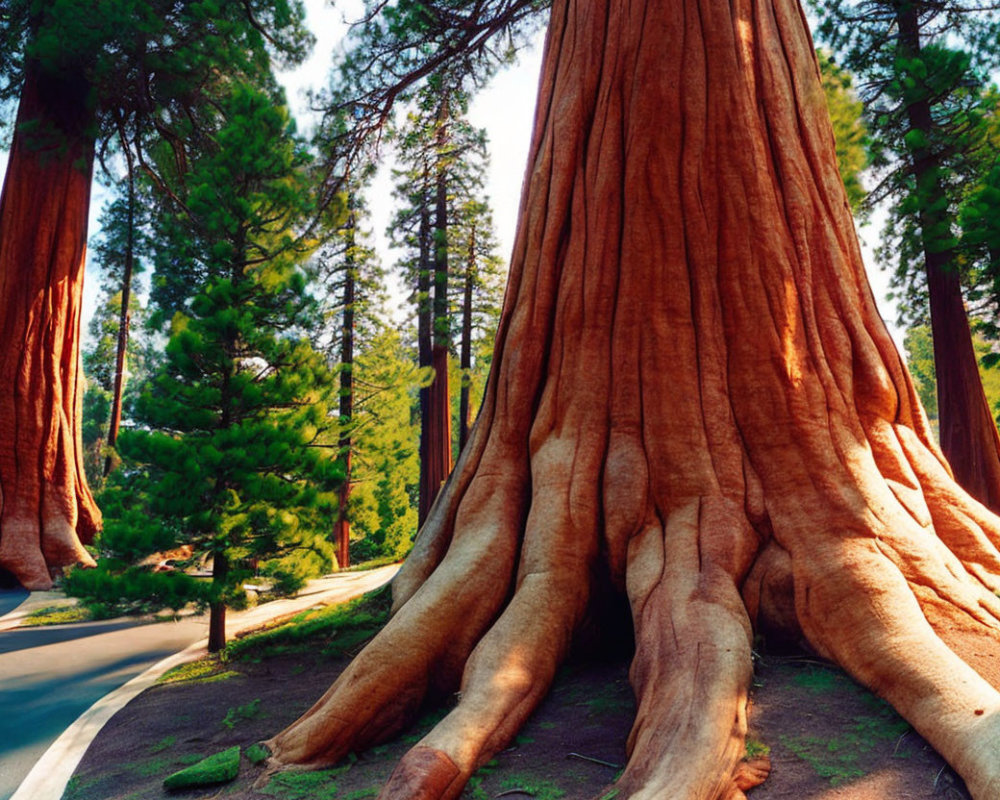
(595, 761)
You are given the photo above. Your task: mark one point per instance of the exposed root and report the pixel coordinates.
(422, 650)
(692, 667)
(21, 554)
(894, 650)
(747, 775)
(693, 401)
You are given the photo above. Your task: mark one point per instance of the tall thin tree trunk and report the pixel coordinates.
(439, 394)
(47, 511)
(217, 608)
(427, 488)
(968, 431)
(124, 319)
(464, 411)
(343, 532)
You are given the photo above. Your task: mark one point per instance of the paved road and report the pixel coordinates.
(11, 599)
(49, 676)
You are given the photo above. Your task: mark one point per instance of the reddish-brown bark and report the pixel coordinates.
(435, 432)
(694, 401)
(969, 437)
(47, 508)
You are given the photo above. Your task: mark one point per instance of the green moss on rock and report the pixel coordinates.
(219, 768)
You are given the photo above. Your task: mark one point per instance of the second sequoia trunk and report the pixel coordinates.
(47, 511)
(693, 400)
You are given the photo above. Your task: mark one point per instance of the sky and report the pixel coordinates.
(505, 109)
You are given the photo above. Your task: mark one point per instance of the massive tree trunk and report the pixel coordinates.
(46, 509)
(969, 437)
(693, 400)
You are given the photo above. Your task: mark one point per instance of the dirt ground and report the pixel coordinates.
(828, 738)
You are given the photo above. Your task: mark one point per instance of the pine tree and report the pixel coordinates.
(117, 254)
(442, 158)
(480, 275)
(351, 281)
(386, 443)
(226, 455)
(849, 129)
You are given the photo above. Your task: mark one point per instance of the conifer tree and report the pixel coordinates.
(921, 65)
(480, 275)
(86, 75)
(350, 279)
(849, 130)
(386, 443)
(117, 252)
(443, 157)
(226, 454)
(695, 411)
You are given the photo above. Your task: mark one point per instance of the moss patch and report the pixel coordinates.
(257, 753)
(219, 768)
(317, 785)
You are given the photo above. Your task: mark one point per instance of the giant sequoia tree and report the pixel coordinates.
(89, 77)
(695, 403)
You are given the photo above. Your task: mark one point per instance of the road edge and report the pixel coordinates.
(51, 774)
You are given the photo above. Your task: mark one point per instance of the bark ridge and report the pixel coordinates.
(693, 402)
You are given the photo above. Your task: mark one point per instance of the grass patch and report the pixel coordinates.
(756, 749)
(819, 680)
(361, 794)
(56, 615)
(375, 563)
(317, 785)
(243, 713)
(335, 629)
(164, 744)
(840, 759)
(205, 670)
(155, 766)
(78, 787)
(475, 784)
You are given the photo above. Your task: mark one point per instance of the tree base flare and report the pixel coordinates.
(47, 512)
(694, 405)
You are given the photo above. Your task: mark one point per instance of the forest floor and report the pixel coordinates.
(828, 738)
